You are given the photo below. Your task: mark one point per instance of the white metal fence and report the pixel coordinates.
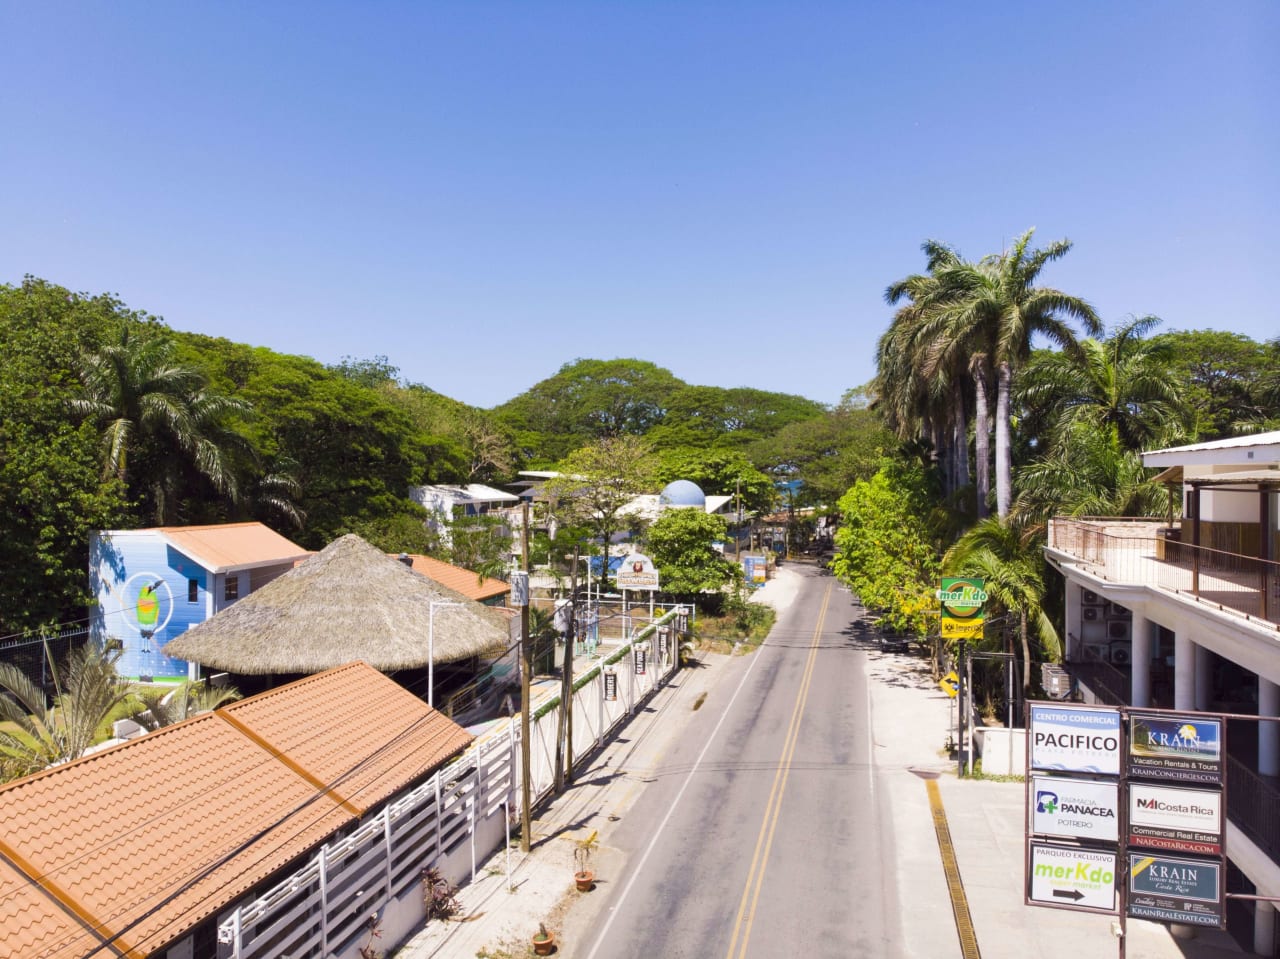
(452, 821)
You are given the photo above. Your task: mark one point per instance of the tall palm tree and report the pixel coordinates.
(922, 374)
(1119, 385)
(35, 735)
(1008, 557)
(158, 418)
(996, 301)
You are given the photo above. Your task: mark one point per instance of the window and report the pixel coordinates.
(231, 588)
(193, 591)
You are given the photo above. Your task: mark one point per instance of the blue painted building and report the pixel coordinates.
(153, 584)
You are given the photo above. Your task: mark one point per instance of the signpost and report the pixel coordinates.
(1175, 818)
(950, 684)
(1083, 739)
(1075, 808)
(963, 600)
(1073, 877)
(1170, 889)
(1185, 748)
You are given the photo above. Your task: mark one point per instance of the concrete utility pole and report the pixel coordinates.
(564, 739)
(526, 671)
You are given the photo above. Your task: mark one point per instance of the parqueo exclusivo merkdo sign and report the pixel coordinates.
(1082, 739)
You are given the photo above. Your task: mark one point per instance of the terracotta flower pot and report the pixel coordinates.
(586, 880)
(543, 947)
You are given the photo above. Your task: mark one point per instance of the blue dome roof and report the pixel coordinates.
(682, 493)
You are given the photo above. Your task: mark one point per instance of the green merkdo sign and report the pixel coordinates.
(963, 602)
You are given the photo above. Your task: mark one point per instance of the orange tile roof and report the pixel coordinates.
(459, 580)
(139, 843)
(231, 546)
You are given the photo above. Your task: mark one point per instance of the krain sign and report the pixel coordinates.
(1072, 877)
(963, 600)
(1183, 748)
(1169, 889)
(1080, 739)
(1175, 818)
(1075, 808)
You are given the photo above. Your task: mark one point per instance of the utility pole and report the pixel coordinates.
(564, 739)
(526, 670)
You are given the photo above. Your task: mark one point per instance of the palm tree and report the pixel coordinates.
(158, 417)
(36, 735)
(923, 373)
(1121, 385)
(1008, 557)
(996, 302)
(167, 707)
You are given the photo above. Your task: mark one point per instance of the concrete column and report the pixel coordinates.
(1140, 691)
(1204, 678)
(1264, 929)
(1268, 733)
(1184, 672)
(1071, 642)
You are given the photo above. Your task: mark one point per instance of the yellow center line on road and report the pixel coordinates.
(755, 876)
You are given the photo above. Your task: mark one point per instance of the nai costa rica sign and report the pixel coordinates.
(963, 601)
(1078, 739)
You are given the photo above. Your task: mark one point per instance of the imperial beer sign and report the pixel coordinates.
(1078, 739)
(963, 600)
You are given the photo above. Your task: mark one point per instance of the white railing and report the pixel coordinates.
(451, 822)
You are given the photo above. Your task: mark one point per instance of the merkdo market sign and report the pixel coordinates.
(963, 600)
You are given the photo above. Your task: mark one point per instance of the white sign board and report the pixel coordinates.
(1080, 739)
(1075, 808)
(1070, 877)
(1175, 818)
(637, 572)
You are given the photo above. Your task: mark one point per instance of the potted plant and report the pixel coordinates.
(543, 941)
(583, 876)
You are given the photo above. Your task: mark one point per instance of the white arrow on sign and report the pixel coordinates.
(1073, 878)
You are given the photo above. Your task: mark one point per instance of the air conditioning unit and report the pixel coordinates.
(1090, 598)
(1118, 629)
(1121, 654)
(1094, 653)
(1118, 612)
(1091, 614)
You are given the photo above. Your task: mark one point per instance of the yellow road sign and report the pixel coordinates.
(950, 684)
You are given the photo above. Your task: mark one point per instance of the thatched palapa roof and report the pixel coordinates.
(349, 601)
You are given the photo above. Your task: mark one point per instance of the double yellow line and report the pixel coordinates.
(755, 877)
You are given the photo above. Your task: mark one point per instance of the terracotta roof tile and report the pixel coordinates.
(459, 580)
(230, 546)
(149, 838)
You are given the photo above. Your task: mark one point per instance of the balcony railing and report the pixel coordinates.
(1251, 804)
(1141, 552)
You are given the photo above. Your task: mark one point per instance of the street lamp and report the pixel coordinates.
(431, 647)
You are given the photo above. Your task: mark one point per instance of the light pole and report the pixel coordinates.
(431, 647)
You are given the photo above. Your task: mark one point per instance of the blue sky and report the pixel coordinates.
(485, 191)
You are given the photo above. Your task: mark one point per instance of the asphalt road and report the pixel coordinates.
(763, 831)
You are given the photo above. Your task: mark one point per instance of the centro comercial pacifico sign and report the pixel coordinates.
(963, 600)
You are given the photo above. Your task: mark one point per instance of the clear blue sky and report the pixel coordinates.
(485, 191)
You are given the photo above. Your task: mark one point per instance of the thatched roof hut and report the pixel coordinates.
(349, 601)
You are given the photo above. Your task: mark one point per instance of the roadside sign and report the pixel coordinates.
(1072, 877)
(1075, 808)
(1176, 889)
(1082, 739)
(1175, 818)
(637, 572)
(1186, 748)
(963, 600)
(950, 684)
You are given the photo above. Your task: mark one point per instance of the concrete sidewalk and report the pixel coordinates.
(911, 719)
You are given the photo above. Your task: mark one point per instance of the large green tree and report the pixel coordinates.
(680, 543)
(1231, 381)
(160, 423)
(598, 480)
(52, 491)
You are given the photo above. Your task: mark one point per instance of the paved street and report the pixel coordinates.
(774, 802)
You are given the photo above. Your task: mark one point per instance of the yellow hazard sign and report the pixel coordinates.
(950, 684)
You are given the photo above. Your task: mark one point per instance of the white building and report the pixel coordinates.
(1186, 615)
